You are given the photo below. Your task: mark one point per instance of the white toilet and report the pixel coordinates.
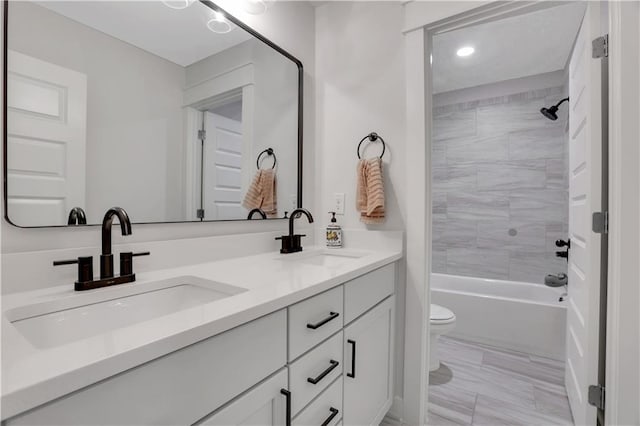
(442, 322)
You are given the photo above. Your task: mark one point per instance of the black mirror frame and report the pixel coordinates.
(210, 5)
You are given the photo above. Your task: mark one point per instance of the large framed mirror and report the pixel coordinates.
(174, 111)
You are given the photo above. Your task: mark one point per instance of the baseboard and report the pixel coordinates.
(395, 414)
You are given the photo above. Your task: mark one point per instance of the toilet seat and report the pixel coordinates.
(441, 315)
(442, 321)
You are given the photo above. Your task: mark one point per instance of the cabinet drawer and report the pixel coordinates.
(323, 408)
(322, 365)
(313, 320)
(179, 388)
(364, 292)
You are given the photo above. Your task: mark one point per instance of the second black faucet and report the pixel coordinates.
(292, 243)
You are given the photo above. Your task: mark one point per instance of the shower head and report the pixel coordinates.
(551, 112)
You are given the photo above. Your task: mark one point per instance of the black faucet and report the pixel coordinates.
(85, 263)
(77, 216)
(291, 242)
(106, 258)
(257, 210)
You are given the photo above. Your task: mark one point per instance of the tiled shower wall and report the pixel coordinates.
(500, 187)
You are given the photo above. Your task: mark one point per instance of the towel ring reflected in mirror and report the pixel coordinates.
(269, 152)
(373, 136)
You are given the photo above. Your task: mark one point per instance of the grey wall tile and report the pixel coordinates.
(473, 149)
(537, 143)
(477, 262)
(554, 231)
(438, 153)
(529, 267)
(439, 203)
(512, 176)
(438, 259)
(455, 233)
(477, 205)
(505, 118)
(539, 205)
(512, 235)
(557, 174)
(499, 166)
(454, 124)
(455, 177)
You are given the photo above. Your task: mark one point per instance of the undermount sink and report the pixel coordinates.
(58, 322)
(329, 259)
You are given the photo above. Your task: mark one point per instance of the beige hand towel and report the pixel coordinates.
(262, 193)
(370, 191)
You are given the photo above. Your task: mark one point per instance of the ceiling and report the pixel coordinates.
(180, 36)
(505, 49)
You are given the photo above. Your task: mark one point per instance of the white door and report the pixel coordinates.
(264, 405)
(222, 195)
(585, 189)
(368, 377)
(46, 138)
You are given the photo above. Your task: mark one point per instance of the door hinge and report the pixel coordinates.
(200, 213)
(596, 396)
(600, 47)
(202, 134)
(600, 222)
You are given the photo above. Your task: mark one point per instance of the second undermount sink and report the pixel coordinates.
(54, 323)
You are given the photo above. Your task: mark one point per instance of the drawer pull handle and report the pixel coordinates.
(334, 412)
(314, 381)
(287, 396)
(353, 359)
(332, 316)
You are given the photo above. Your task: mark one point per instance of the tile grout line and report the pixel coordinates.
(475, 404)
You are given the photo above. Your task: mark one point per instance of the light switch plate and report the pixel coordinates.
(338, 204)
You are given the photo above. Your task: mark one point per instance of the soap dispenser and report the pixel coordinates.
(334, 233)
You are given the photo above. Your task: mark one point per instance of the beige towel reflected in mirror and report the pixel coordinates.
(370, 191)
(262, 193)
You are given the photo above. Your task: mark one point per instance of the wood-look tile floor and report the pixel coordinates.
(482, 385)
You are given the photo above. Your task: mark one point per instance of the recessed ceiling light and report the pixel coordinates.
(177, 4)
(255, 7)
(465, 51)
(219, 24)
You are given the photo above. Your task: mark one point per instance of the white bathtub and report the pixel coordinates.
(508, 314)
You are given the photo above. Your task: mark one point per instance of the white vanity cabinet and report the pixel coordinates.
(368, 356)
(366, 336)
(179, 388)
(326, 360)
(263, 405)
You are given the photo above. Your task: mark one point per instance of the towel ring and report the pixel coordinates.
(269, 152)
(373, 136)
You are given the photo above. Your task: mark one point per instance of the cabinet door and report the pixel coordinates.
(368, 366)
(264, 405)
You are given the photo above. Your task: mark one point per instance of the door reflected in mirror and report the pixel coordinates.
(143, 106)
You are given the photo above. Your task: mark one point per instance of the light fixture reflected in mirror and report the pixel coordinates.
(255, 7)
(219, 24)
(177, 4)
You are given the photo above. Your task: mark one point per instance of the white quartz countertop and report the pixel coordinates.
(32, 376)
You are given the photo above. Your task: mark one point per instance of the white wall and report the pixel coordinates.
(288, 24)
(360, 89)
(147, 122)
